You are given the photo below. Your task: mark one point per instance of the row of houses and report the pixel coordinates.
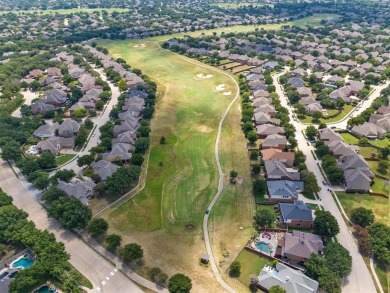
(377, 126)
(357, 174)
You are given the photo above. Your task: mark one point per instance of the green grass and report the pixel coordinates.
(251, 264)
(366, 152)
(312, 20)
(379, 205)
(64, 159)
(349, 138)
(68, 11)
(374, 168)
(380, 186)
(237, 5)
(381, 143)
(314, 207)
(383, 276)
(341, 116)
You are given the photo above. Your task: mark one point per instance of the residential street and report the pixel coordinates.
(101, 273)
(360, 279)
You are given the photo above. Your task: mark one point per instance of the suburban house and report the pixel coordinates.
(343, 93)
(276, 170)
(80, 189)
(340, 148)
(381, 120)
(369, 130)
(55, 97)
(267, 129)
(298, 246)
(46, 130)
(39, 107)
(327, 135)
(297, 214)
(284, 190)
(274, 141)
(263, 118)
(293, 281)
(68, 128)
(119, 152)
(54, 144)
(276, 154)
(357, 173)
(314, 107)
(104, 168)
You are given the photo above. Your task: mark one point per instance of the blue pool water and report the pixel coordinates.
(44, 289)
(23, 262)
(263, 247)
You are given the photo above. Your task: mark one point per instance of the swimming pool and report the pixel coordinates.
(44, 289)
(23, 262)
(263, 247)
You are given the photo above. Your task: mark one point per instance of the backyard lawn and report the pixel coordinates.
(381, 143)
(379, 205)
(346, 110)
(367, 152)
(349, 138)
(60, 160)
(182, 175)
(251, 264)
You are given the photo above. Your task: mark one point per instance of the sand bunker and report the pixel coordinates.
(135, 46)
(227, 93)
(143, 45)
(204, 76)
(220, 87)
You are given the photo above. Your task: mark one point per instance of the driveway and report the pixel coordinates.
(104, 276)
(359, 281)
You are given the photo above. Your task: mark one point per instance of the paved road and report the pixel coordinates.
(364, 105)
(104, 276)
(28, 97)
(98, 121)
(359, 281)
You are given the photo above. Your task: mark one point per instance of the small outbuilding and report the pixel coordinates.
(205, 258)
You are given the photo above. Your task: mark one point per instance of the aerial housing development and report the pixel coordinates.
(194, 146)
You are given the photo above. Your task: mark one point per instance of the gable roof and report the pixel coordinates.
(104, 168)
(284, 188)
(295, 211)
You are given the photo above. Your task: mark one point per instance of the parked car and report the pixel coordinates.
(333, 127)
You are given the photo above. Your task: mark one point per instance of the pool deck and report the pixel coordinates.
(272, 242)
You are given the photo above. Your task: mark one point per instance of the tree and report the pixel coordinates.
(46, 160)
(11, 151)
(142, 144)
(137, 159)
(276, 289)
(163, 140)
(383, 167)
(235, 269)
(88, 123)
(264, 218)
(252, 136)
(179, 283)
(363, 239)
(300, 109)
(42, 181)
(154, 272)
(259, 187)
(254, 155)
(69, 211)
(27, 165)
(337, 259)
(310, 183)
(132, 252)
(325, 224)
(256, 168)
(122, 85)
(330, 282)
(162, 278)
(311, 132)
(317, 115)
(363, 140)
(362, 216)
(80, 113)
(97, 227)
(85, 160)
(144, 131)
(113, 241)
(63, 175)
(315, 266)
(380, 240)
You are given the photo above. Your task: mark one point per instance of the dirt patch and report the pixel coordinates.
(204, 129)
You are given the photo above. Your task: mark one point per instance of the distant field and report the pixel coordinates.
(68, 11)
(307, 21)
(236, 5)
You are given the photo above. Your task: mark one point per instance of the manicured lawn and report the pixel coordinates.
(379, 205)
(251, 264)
(69, 11)
(314, 207)
(366, 152)
(182, 175)
(314, 20)
(349, 138)
(374, 168)
(380, 186)
(341, 116)
(381, 143)
(64, 158)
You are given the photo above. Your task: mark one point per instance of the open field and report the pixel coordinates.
(307, 21)
(378, 204)
(182, 175)
(237, 5)
(68, 11)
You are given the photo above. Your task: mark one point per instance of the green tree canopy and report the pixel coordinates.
(179, 283)
(362, 216)
(97, 227)
(132, 252)
(325, 224)
(264, 218)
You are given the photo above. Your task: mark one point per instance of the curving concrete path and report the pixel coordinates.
(214, 267)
